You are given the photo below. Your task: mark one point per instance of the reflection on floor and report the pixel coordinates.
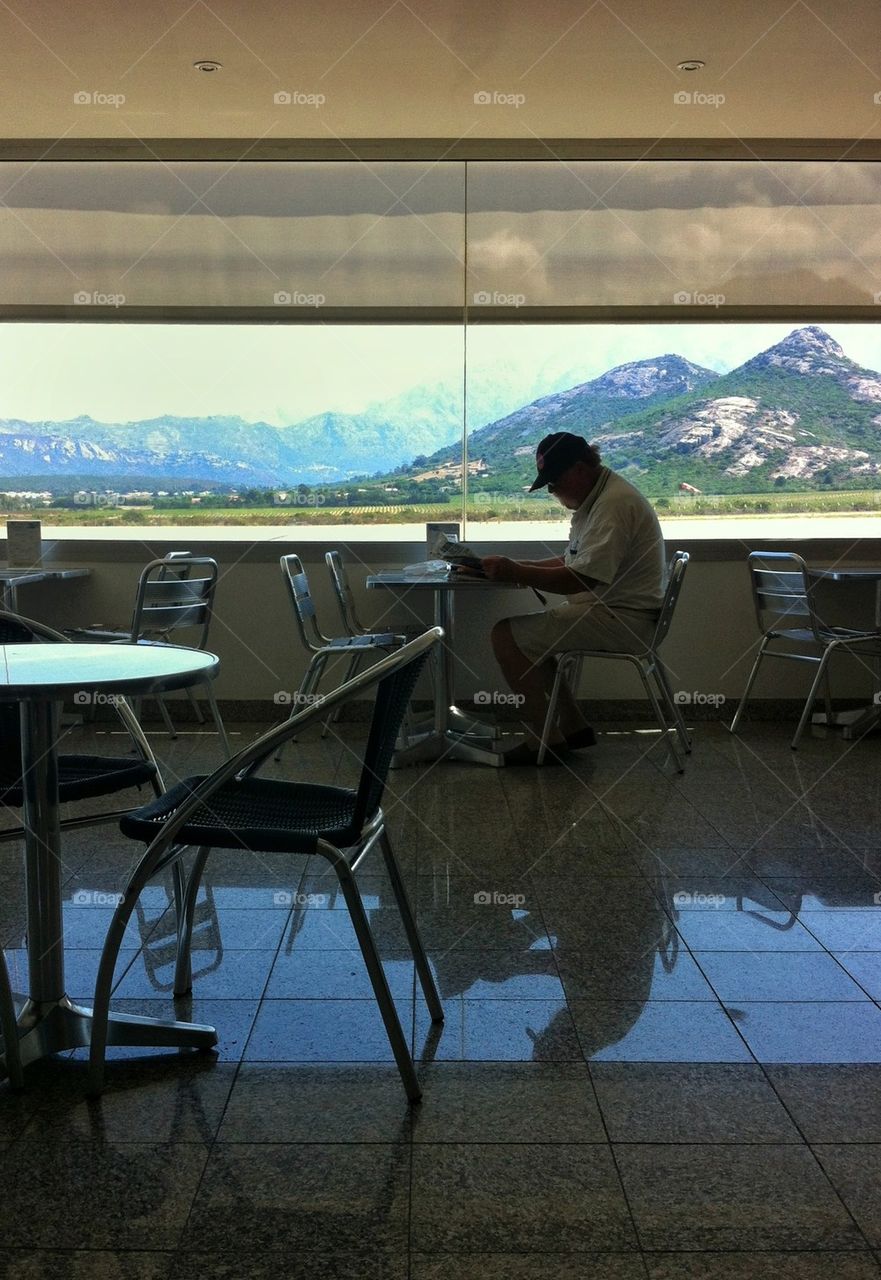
(661, 1055)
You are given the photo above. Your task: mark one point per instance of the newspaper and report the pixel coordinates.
(457, 554)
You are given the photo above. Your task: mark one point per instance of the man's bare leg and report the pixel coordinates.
(534, 681)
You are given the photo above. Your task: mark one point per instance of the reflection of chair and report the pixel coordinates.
(159, 944)
(234, 809)
(650, 667)
(175, 594)
(784, 600)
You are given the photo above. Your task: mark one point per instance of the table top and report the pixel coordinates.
(451, 581)
(10, 573)
(54, 671)
(844, 574)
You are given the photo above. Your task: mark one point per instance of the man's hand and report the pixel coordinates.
(500, 568)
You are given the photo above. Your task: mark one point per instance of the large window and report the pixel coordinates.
(398, 424)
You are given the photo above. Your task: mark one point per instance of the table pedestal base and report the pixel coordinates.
(55, 1027)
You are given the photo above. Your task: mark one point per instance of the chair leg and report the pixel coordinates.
(551, 712)
(183, 969)
(333, 718)
(9, 1027)
(194, 703)
(376, 973)
(663, 680)
(669, 731)
(812, 696)
(749, 684)
(308, 685)
(426, 977)
(827, 693)
(163, 711)
(218, 721)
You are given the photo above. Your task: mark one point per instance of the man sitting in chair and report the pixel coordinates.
(613, 573)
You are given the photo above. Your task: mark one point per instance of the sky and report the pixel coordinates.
(281, 374)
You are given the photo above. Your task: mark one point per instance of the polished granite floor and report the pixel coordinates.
(661, 1055)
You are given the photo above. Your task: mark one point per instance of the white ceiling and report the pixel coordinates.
(411, 69)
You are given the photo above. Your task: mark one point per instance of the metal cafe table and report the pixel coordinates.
(39, 677)
(453, 733)
(854, 723)
(11, 579)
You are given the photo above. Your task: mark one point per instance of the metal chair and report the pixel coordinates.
(234, 809)
(354, 645)
(171, 597)
(784, 597)
(650, 667)
(80, 777)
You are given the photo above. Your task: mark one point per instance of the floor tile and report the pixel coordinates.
(471, 1198)
(716, 1198)
(831, 1103)
(657, 1031)
(845, 930)
(321, 1031)
(499, 1031)
(87, 1264)
(507, 1102)
(715, 1102)
(810, 1032)
(777, 975)
(511, 1266)
(762, 1266)
(496, 975)
(334, 975)
(234, 975)
(738, 931)
(659, 972)
(301, 1198)
(865, 968)
(293, 1102)
(854, 1170)
(327, 1263)
(79, 1184)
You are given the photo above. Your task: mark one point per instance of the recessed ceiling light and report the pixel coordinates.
(208, 65)
(690, 64)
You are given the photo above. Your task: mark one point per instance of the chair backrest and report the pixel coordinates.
(675, 579)
(173, 594)
(343, 592)
(304, 606)
(782, 591)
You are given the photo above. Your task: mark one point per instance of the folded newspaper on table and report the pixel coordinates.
(457, 554)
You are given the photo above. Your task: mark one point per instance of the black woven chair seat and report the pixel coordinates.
(260, 814)
(80, 777)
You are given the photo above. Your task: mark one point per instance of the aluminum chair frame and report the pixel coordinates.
(168, 599)
(648, 665)
(165, 850)
(795, 592)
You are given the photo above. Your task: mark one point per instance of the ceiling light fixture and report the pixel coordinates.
(690, 64)
(208, 65)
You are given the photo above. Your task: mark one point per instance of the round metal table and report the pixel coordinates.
(39, 677)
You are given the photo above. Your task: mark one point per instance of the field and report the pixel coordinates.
(482, 507)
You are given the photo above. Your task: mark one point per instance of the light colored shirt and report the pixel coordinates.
(615, 538)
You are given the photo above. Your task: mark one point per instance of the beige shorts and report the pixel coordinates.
(592, 626)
